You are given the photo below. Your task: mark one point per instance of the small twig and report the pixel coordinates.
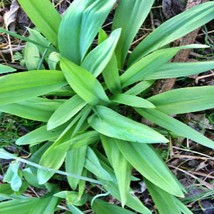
(193, 176)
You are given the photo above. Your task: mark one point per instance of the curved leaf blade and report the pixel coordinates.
(83, 83)
(184, 100)
(132, 100)
(99, 57)
(145, 160)
(25, 85)
(112, 124)
(66, 111)
(173, 29)
(175, 70)
(129, 16)
(175, 126)
(85, 19)
(38, 109)
(43, 14)
(6, 69)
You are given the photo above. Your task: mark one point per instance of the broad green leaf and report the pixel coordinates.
(92, 164)
(6, 155)
(38, 135)
(112, 124)
(173, 29)
(50, 159)
(80, 140)
(38, 109)
(131, 100)
(25, 85)
(132, 201)
(83, 83)
(174, 70)
(6, 69)
(121, 166)
(184, 100)
(175, 126)
(24, 205)
(45, 45)
(111, 76)
(74, 209)
(31, 56)
(100, 56)
(12, 176)
(102, 207)
(74, 163)
(43, 14)
(66, 111)
(80, 24)
(139, 87)
(145, 160)
(166, 203)
(129, 16)
(150, 63)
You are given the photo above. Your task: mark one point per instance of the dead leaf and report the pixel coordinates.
(10, 16)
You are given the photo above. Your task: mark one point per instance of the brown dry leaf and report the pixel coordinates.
(10, 16)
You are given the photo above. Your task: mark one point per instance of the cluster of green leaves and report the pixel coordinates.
(79, 93)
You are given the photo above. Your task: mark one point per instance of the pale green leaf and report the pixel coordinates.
(43, 14)
(92, 164)
(83, 83)
(173, 29)
(145, 160)
(111, 76)
(66, 111)
(184, 100)
(38, 109)
(6, 155)
(121, 166)
(131, 100)
(12, 176)
(139, 87)
(112, 124)
(102, 207)
(74, 163)
(129, 16)
(166, 203)
(132, 201)
(150, 63)
(80, 24)
(31, 56)
(25, 85)
(174, 70)
(23, 205)
(38, 135)
(175, 126)
(99, 57)
(6, 69)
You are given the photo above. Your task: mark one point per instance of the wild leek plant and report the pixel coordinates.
(83, 85)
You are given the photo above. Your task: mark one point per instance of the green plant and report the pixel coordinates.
(83, 98)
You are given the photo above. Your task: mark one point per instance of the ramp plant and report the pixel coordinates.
(89, 90)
